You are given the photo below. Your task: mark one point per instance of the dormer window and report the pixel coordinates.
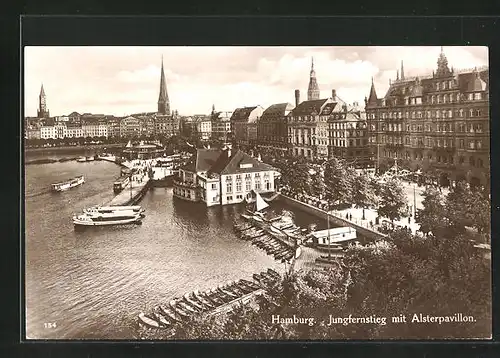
(247, 165)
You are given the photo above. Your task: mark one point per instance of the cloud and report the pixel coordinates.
(115, 80)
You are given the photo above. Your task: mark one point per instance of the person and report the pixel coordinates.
(409, 220)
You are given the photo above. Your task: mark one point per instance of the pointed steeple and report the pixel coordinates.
(163, 101)
(397, 75)
(372, 98)
(42, 104)
(313, 89)
(442, 62)
(402, 71)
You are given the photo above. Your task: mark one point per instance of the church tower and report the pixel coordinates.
(163, 101)
(42, 105)
(313, 90)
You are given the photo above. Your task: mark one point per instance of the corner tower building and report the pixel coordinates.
(163, 101)
(313, 89)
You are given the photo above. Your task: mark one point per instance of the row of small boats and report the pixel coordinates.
(272, 245)
(197, 303)
(268, 236)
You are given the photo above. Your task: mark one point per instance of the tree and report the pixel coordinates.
(392, 200)
(431, 216)
(338, 181)
(458, 208)
(363, 194)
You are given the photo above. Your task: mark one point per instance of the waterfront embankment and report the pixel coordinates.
(366, 232)
(72, 149)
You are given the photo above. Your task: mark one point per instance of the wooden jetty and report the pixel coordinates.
(132, 193)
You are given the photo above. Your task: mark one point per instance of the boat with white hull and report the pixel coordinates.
(107, 219)
(115, 209)
(68, 184)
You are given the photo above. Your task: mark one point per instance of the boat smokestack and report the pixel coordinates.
(297, 97)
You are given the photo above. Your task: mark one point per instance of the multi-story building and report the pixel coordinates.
(147, 125)
(114, 127)
(130, 127)
(348, 134)
(48, 131)
(32, 132)
(221, 125)
(74, 130)
(308, 127)
(204, 128)
(61, 130)
(94, 126)
(437, 123)
(186, 185)
(74, 117)
(244, 124)
(272, 130)
(224, 177)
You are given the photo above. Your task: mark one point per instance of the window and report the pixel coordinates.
(461, 144)
(238, 186)
(214, 186)
(257, 186)
(229, 198)
(229, 188)
(248, 186)
(477, 96)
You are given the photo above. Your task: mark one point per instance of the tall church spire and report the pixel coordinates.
(402, 71)
(313, 89)
(42, 104)
(163, 101)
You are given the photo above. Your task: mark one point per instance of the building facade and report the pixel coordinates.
(437, 123)
(348, 134)
(224, 177)
(272, 129)
(130, 127)
(221, 125)
(308, 128)
(244, 123)
(204, 128)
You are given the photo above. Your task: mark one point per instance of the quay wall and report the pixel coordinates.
(366, 232)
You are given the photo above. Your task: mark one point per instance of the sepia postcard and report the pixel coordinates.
(256, 193)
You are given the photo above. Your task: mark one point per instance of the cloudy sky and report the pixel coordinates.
(124, 80)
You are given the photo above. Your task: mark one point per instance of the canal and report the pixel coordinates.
(93, 284)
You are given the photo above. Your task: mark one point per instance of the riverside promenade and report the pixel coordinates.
(335, 218)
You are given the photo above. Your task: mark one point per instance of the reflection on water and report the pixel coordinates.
(92, 284)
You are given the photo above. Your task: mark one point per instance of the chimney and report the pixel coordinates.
(334, 94)
(297, 97)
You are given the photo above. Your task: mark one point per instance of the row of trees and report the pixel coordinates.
(338, 183)
(464, 207)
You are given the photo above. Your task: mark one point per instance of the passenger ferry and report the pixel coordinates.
(68, 184)
(121, 183)
(115, 209)
(102, 219)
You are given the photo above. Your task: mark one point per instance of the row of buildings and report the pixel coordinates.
(87, 125)
(434, 122)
